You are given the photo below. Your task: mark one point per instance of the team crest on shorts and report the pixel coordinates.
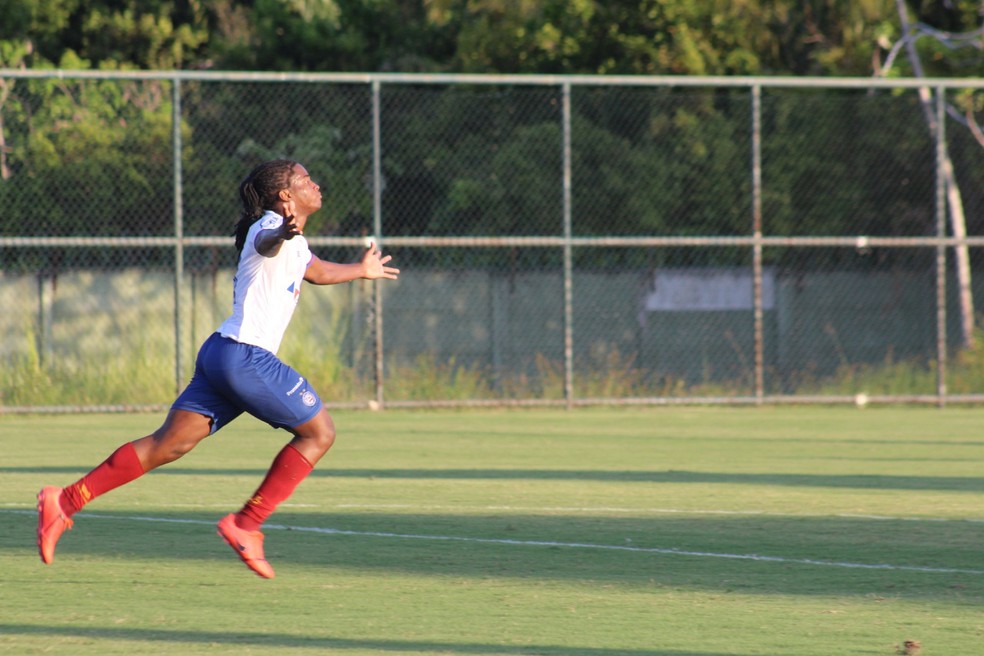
(307, 398)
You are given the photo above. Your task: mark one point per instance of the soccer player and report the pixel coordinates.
(237, 370)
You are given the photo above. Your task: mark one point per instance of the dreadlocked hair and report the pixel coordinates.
(259, 192)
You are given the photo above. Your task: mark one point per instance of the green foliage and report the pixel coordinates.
(428, 379)
(331, 356)
(148, 39)
(318, 35)
(92, 156)
(141, 378)
(340, 367)
(341, 170)
(902, 377)
(678, 37)
(643, 37)
(131, 34)
(886, 135)
(509, 188)
(465, 161)
(965, 373)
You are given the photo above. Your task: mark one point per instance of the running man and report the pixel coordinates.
(237, 370)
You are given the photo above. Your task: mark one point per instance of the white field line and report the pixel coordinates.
(557, 509)
(549, 543)
(570, 509)
(646, 511)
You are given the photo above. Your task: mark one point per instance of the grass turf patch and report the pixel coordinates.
(641, 531)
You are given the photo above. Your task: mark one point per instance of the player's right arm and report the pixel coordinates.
(269, 241)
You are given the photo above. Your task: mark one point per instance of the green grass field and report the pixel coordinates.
(638, 531)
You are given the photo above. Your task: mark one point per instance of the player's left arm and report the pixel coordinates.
(373, 266)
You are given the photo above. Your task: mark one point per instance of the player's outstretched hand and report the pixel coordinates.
(374, 264)
(288, 229)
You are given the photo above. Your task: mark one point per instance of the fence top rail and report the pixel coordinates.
(859, 242)
(531, 80)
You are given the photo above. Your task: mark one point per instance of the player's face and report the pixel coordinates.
(305, 192)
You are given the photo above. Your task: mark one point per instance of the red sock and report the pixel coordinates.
(118, 469)
(289, 468)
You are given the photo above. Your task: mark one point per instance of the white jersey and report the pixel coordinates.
(266, 288)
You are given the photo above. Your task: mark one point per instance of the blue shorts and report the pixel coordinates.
(231, 378)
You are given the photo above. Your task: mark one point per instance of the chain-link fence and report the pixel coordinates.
(563, 240)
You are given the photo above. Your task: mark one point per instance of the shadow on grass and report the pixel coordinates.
(285, 641)
(840, 481)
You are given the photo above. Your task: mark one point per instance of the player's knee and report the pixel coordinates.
(166, 451)
(325, 437)
(169, 445)
(314, 438)
(178, 449)
(320, 435)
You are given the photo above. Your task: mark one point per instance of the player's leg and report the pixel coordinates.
(179, 433)
(313, 438)
(295, 461)
(274, 392)
(241, 530)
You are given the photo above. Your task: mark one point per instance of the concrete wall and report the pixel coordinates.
(507, 325)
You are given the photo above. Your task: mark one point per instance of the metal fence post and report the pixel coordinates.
(757, 248)
(568, 256)
(178, 229)
(941, 248)
(377, 228)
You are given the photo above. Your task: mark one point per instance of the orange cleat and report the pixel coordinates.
(248, 545)
(52, 522)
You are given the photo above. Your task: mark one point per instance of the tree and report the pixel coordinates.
(76, 166)
(911, 35)
(328, 35)
(147, 34)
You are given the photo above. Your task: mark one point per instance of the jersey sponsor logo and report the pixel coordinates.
(297, 386)
(295, 288)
